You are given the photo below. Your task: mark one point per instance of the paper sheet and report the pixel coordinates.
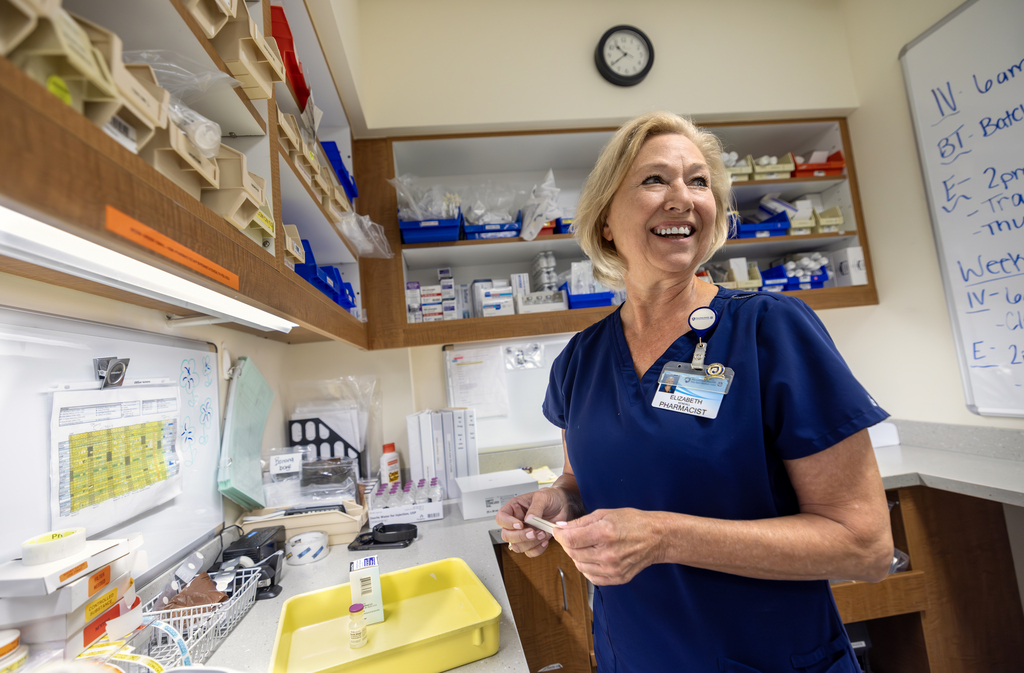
(112, 455)
(476, 379)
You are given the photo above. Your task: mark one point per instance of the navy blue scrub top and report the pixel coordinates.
(792, 396)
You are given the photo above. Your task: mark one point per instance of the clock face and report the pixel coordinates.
(626, 53)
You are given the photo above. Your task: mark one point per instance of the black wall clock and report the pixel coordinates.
(624, 55)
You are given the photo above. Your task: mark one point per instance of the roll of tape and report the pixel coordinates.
(52, 546)
(306, 548)
(9, 641)
(14, 660)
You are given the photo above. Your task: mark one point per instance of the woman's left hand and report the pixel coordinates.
(610, 546)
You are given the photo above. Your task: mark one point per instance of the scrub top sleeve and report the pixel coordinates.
(810, 399)
(555, 405)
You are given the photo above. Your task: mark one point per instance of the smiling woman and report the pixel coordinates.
(767, 484)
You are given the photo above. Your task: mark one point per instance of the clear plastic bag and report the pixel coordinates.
(417, 202)
(900, 562)
(541, 208)
(489, 203)
(188, 82)
(348, 405)
(366, 235)
(524, 356)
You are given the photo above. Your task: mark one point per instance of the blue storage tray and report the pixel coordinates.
(497, 226)
(492, 234)
(587, 300)
(563, 226)
(754, 234)
(430, 231)
(344, 179)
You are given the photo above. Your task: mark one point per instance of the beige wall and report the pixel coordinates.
(429, 67)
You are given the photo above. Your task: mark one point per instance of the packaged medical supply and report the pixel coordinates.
(447, 288)
(364, 583)
(449, 310)
(849, 267)
(520, 284)
(484, 494)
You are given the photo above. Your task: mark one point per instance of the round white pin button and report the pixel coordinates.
(702, 320)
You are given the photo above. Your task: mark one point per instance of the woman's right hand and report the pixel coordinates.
(548, 503)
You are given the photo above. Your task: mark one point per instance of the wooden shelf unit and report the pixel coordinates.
(94, 171)
(374, 162)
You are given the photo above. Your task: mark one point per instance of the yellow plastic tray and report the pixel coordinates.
(436, 616)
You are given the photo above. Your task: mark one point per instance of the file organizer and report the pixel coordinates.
(212, 15)
(240, 476)
(239, 196)
(251, 58)
(179, 160)
(143, 103)
(437, 616)
(288, 132)
(20, 18)
(293, 250)
(59, 55)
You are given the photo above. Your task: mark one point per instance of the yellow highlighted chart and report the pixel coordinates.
(113, 462)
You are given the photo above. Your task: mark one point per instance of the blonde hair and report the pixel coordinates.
(609, 172)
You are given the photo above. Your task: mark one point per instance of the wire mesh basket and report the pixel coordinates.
(202, 628)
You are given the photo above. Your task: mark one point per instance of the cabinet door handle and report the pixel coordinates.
(565, 600)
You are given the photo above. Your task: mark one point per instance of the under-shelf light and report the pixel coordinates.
(30, 240)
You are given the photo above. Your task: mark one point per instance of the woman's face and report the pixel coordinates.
(662, 216)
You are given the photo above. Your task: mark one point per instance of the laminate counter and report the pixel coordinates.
(250, 645)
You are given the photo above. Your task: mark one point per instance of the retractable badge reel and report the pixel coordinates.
(693, 388)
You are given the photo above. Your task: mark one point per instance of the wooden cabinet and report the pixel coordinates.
(522, 160)
(958, 609)
(65, 171)
(548, 597)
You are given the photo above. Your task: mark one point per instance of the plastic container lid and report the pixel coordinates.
(389, 448)
(356, 607)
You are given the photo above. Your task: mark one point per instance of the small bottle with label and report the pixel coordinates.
(356, 626)
(408, 497)
(390, 473)
(421, 492)
(434, 492)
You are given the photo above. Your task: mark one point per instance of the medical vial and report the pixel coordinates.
(421, 492)
(356, 626)
(434, 492)
(407, 495)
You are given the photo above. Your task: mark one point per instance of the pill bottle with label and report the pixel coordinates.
(356, 626)
(389, 469)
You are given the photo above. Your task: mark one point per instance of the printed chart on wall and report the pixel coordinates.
(112, 454)
(965, 84)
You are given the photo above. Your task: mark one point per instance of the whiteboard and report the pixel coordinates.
(965, 84)
(39, 352)
(525, 425)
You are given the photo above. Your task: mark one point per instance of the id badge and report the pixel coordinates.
(686, 390)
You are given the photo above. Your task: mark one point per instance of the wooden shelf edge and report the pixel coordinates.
(838, 297)
(897, 594)
(500, 327)
(788, 181)
(319, 204)
(485, 241)
(207, 46)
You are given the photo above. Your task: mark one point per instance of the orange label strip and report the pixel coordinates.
(98, 580)
(149, 238)
(84, 565)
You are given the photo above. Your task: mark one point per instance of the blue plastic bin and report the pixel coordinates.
(344, 179)
(313, 274)
(430, 231)
(587, 300)
(495, 230)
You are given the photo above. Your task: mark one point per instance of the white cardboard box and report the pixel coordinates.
(364, 586)
(62, 627)
(484, 494)
(17, 579)
(424, 511)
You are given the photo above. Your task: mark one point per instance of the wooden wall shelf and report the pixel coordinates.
(95, 171)
(897, 594)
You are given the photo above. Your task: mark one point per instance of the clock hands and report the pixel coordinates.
(624, 55)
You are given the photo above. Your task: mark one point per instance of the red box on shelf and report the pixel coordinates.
(832, 167)
(282, 32)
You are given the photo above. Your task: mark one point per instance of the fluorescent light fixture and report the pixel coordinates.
(30, 240)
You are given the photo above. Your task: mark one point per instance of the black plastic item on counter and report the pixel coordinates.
(385, 536)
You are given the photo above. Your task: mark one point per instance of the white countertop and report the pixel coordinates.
(250, 645)
(979, 476)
